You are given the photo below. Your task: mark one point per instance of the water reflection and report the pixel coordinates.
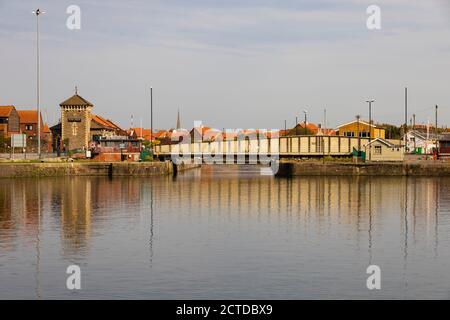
(77, 204)
(367, 216)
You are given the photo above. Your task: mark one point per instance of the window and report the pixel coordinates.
(74, 129)
(363, 134)
(349, 134)
(28, 127)
(377, 150)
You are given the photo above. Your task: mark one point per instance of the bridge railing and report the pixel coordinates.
(295, 145)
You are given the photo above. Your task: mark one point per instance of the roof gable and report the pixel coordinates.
(100, 122)
(28, 116)
(385, 142)
(5, 111)
(76, 100)
(360, 121)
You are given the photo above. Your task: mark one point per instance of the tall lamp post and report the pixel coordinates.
(38, 12)
(370, 125)
(151, 120)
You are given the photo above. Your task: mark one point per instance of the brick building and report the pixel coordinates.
(28, 121)
(9, 121)
(75, 122)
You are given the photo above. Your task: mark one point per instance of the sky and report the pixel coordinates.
(231, 63)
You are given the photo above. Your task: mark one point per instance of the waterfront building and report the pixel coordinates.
(365, 130)
(76, 119)
(9, 121)
(444, 145)
(140, 133)
(101, 127)
(117, 148)
(79, 128)
(384, 150)
(28, 122)
(421, 142)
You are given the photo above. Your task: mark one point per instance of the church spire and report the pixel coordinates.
(178, 120)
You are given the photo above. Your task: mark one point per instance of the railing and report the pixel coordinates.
(444, 150)
(116, 149)
(296, 145)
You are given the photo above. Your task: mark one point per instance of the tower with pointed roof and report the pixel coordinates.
(75, 122)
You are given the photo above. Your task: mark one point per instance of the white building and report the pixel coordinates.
(420, 142)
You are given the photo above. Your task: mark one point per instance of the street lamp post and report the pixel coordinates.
(38, 12)
(151, 120)
(370, 125)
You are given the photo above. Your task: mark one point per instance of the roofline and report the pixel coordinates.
(385, 142)
(86, 103)
(361, 121)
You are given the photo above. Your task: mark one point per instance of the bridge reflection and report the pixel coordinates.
(362, 206)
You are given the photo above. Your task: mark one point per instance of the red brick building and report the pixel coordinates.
(28, 123)
(9, 121)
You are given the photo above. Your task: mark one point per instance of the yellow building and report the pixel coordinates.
(352, 129)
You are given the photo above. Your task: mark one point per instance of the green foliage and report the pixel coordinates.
(146, 143)
(392, 131)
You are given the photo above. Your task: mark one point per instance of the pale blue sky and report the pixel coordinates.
(231, 63)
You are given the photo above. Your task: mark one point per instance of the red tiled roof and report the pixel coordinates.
(329, 132)
(46, 129)
(105, 122)
(5, 111)
(162, 134)
(310, 126)
(28, 116)
(141, 132)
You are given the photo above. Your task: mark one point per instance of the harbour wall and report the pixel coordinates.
(47, 169)
(317, 168)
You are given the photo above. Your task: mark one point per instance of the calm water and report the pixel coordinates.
(224, 232)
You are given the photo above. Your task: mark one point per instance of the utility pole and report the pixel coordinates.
(413, 126)
(323, 134)
(296, 126)
(151, 119)
(359, 136)
(38, 82)
(370, 126)
(406, 117)
(306, 129)
(436, 131)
